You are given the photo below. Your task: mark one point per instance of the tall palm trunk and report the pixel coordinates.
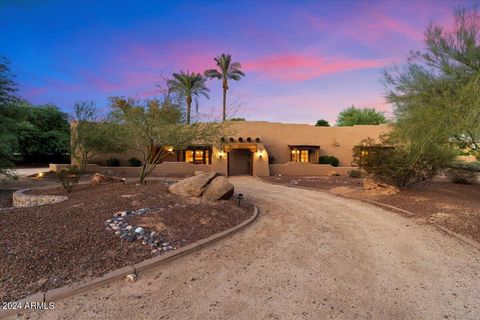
(189, 108)
(225, 88)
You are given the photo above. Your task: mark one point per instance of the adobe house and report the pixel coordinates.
(260, 148)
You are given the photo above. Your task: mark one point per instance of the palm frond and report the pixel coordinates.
(212, 73)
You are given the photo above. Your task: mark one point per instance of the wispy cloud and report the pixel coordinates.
(299, 67)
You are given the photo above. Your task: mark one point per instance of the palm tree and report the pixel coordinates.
(188, 85)
(227, 70)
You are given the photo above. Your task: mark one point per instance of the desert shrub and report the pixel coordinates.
(328, 160)
(355, 174)
(461, 176)
(113, 162)
(459, 180)
(69, 177)
(134, 162)
(403, 164)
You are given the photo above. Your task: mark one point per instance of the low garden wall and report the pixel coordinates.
(307, 169)
(20, 199)
(162, 169)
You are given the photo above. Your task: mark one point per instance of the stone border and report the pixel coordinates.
(69, 290)
(457, 236)
(22, 200)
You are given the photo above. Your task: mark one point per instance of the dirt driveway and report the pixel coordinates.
(310, 255)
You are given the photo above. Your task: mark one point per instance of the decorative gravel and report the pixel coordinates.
(53, 245)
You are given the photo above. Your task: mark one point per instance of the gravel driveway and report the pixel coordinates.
(310, 255)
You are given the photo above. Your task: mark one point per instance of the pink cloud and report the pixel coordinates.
(381, 23)
(299, 67)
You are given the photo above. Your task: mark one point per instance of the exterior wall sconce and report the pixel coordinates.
(260, 154)
(170, 149)
(221, 154)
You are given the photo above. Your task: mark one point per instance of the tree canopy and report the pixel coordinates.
(436, 94)
(92, 133)
(227, 70)
(154, 128)
(357, 116)
(190, 86)
(322, 123)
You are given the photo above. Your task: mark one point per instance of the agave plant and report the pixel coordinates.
(190, 86)
(226, 70)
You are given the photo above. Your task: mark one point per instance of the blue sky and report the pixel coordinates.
(304, 60)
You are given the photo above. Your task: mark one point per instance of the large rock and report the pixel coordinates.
(192, 186)
(99, 178)
(218, 189)
(379, 186)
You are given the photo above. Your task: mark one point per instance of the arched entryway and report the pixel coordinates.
(240, 162)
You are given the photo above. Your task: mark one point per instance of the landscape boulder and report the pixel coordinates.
(99, 178)
(379, 186)
(218, 189)
(192, 186)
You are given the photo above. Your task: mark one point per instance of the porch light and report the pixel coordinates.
(170, 149)
(221, 154)
(260, 154)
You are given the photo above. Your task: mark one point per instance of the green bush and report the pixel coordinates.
(69, 177)
(113, 162)
(134, 162)
(328, 160)
(403, 164)
(355, 174)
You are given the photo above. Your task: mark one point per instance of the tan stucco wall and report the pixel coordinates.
(275, 139)
(307, 169)
(333, 141)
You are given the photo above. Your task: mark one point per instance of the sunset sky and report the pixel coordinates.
(304, 60)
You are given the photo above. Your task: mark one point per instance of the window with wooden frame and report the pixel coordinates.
(304, 153)
(300, 155)
(198, 155)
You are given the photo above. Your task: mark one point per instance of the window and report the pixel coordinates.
(300, 155)
(198, 155)
(303, 155)
(295, 155)
(189, 156)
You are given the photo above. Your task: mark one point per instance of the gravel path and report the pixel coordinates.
(310, 255)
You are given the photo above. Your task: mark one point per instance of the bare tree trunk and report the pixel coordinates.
(189, 108)
(142, 174)
(83, 163)
(225, 88)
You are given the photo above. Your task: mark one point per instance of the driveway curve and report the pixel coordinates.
(310, 255)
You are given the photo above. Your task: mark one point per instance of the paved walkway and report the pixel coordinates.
(310, 255)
